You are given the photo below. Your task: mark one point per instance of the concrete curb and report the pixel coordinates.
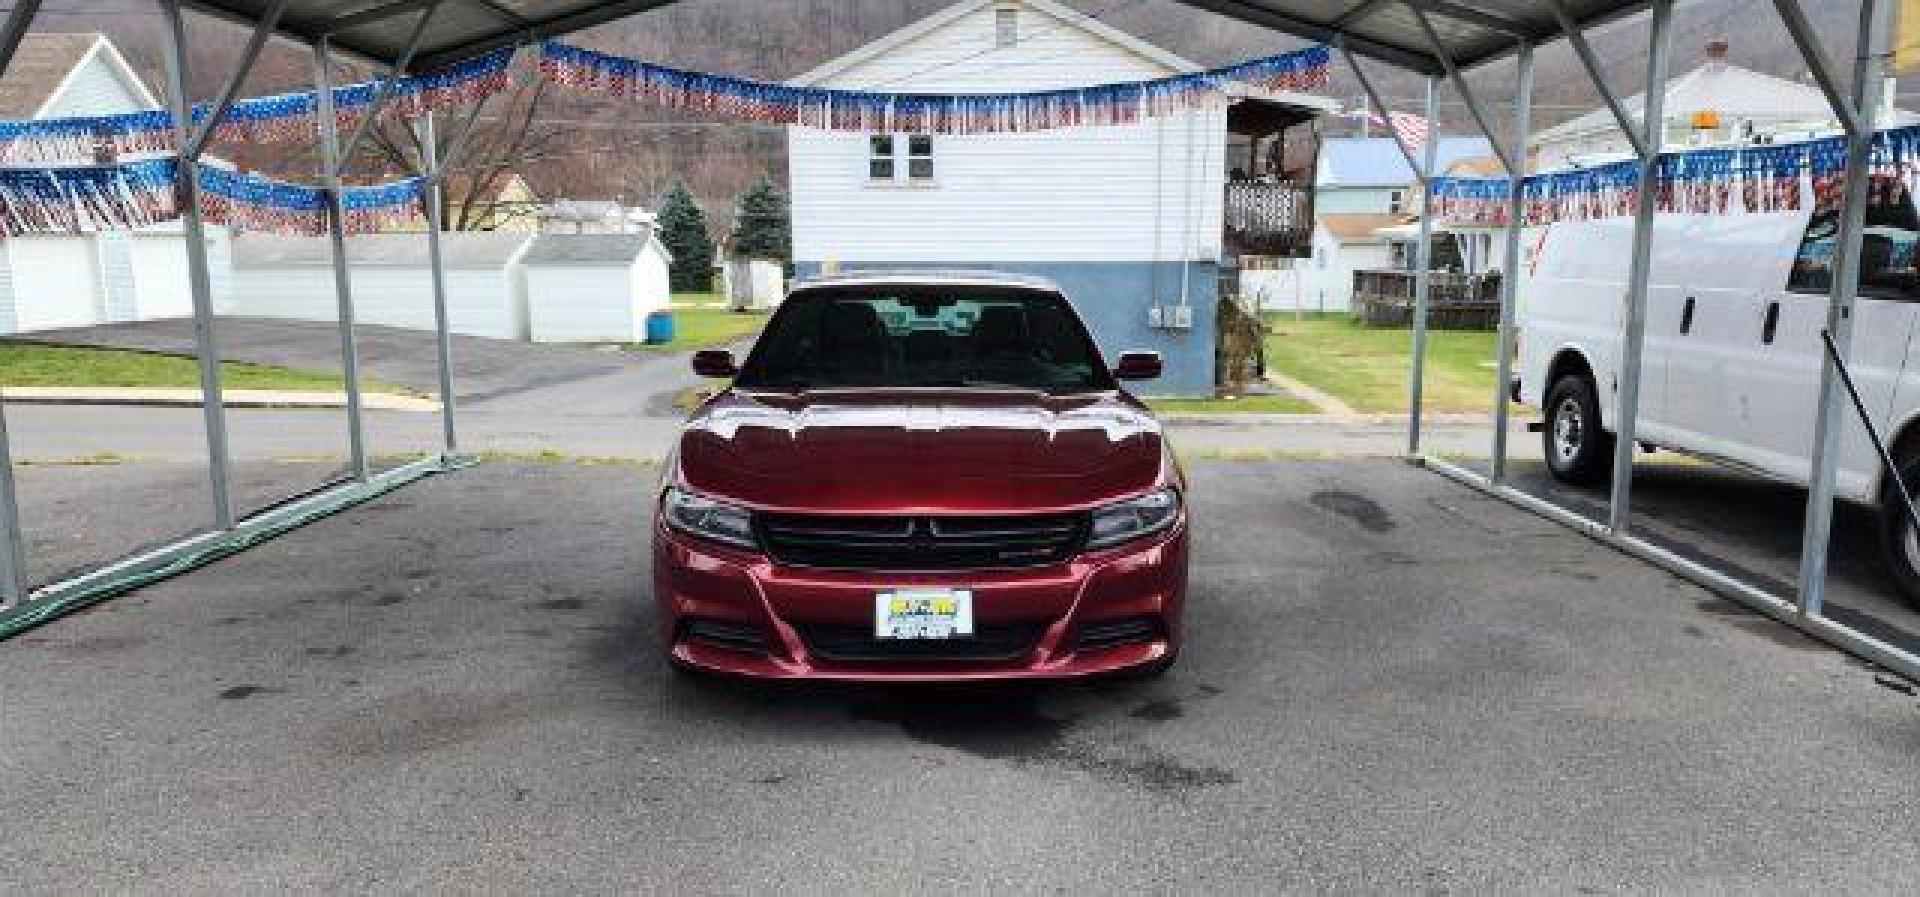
(190, 398)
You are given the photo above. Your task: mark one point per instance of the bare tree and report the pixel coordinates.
(481, 149)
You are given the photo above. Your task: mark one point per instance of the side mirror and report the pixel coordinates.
(715, 363)
(1138, 365)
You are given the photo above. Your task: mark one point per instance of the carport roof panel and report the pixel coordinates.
(1470, 31)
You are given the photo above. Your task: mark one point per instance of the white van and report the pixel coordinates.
(1735, 308)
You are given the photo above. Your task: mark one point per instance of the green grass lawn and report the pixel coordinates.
(696, 326)
(1263, 404)
(1367, 367)
(24, 364)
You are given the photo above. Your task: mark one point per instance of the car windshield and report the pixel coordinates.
(925, 336)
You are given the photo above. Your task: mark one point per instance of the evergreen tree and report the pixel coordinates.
(762, 227)
(683, 229)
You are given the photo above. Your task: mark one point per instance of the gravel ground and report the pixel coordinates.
(1392, 684)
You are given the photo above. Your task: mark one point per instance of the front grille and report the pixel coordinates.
(856, 644)
(1105, 634)
(922, 543)
(729, 636)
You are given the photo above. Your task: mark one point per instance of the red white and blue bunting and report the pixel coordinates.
(868, 111)
(87, 198)
(1765, 178)
(82, 139)
(252, 203)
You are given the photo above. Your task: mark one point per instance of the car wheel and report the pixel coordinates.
(1899, 544)
(1578, 449)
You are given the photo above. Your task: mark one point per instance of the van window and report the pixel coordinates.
(1887, 253)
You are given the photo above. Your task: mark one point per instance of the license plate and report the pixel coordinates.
(923, 614)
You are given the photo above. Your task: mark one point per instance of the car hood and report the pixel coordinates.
(920, 451)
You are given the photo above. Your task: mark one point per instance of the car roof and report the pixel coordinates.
(908, 277)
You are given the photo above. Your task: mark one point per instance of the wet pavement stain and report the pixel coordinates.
(1159, 711)
(1017, 732)
(561, 604)
(242, 692)
(1360, 509)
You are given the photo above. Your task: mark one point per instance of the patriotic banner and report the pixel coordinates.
(82, 139)
(1765, 178)
(253, 203)
(87, 198)
(294, 115)
(853, 110)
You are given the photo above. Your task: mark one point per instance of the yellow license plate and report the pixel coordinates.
(923, 614)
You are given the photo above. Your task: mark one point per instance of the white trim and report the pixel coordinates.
(953, 13)
(117, 63)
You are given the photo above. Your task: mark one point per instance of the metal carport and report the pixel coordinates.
(1437, 38)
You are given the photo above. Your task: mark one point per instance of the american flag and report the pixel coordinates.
(1410, 128)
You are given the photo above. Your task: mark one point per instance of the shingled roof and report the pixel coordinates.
(38, 69)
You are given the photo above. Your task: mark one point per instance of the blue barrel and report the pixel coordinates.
(659, 328)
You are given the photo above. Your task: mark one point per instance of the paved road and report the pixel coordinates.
(1394, 684)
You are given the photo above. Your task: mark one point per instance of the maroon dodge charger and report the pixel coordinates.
(923, 477)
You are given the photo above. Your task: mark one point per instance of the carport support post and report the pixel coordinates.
(1876, 24)
(1653, 137)
(13, 554)
(442, 325)
(342, 285)
(199, 278)
(1516, 159)
(1423, 275)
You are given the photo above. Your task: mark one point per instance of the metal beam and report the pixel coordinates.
(1504, 151)
(192, 149)
(1478, 19)
(1653, 130)
(1510, 276)
(376, 15)
(1876, 27)
(199, 276)
(13, 549)
(442, 322)
(537, 30)
(1423, 275)
(1403, 57)
(342, 275)
(384, 91)
(1356, 14)
(1819, 65)
(1576, 35)
(1420, 172)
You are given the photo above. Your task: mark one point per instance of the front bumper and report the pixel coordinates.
(1052, 618)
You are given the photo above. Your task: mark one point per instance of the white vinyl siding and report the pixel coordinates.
(56, 282)
(480, 301)
(964, 57)
(1076, 194)
(94, 88)
(585, 304)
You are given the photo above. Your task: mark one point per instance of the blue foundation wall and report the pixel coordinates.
(1113, 298)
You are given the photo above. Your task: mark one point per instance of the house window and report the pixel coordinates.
(1397, 201)
(1006, 27)
(880, 160)
(920, 157)
(885, 151)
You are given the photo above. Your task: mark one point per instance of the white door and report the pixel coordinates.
(56, 282)
(1779, 400)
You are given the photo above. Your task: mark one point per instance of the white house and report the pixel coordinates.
(1715, 103)
(76, 280)
(1361, 185)
(1128, 219)
(292, 277)
(594, 288)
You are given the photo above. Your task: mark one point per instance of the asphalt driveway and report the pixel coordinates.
(1393, 684)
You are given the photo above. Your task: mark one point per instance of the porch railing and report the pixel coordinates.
(1457, 301)
(1274, 219)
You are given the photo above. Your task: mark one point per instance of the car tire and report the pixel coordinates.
(1899, 547)
(1578, 449)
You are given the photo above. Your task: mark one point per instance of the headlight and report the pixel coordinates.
(1134, 518)
(708, 519)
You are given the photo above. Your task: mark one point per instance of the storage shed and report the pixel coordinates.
(595, 288)
(292, 277)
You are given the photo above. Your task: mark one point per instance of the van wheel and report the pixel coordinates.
(1899, 545)
(1578, 449)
